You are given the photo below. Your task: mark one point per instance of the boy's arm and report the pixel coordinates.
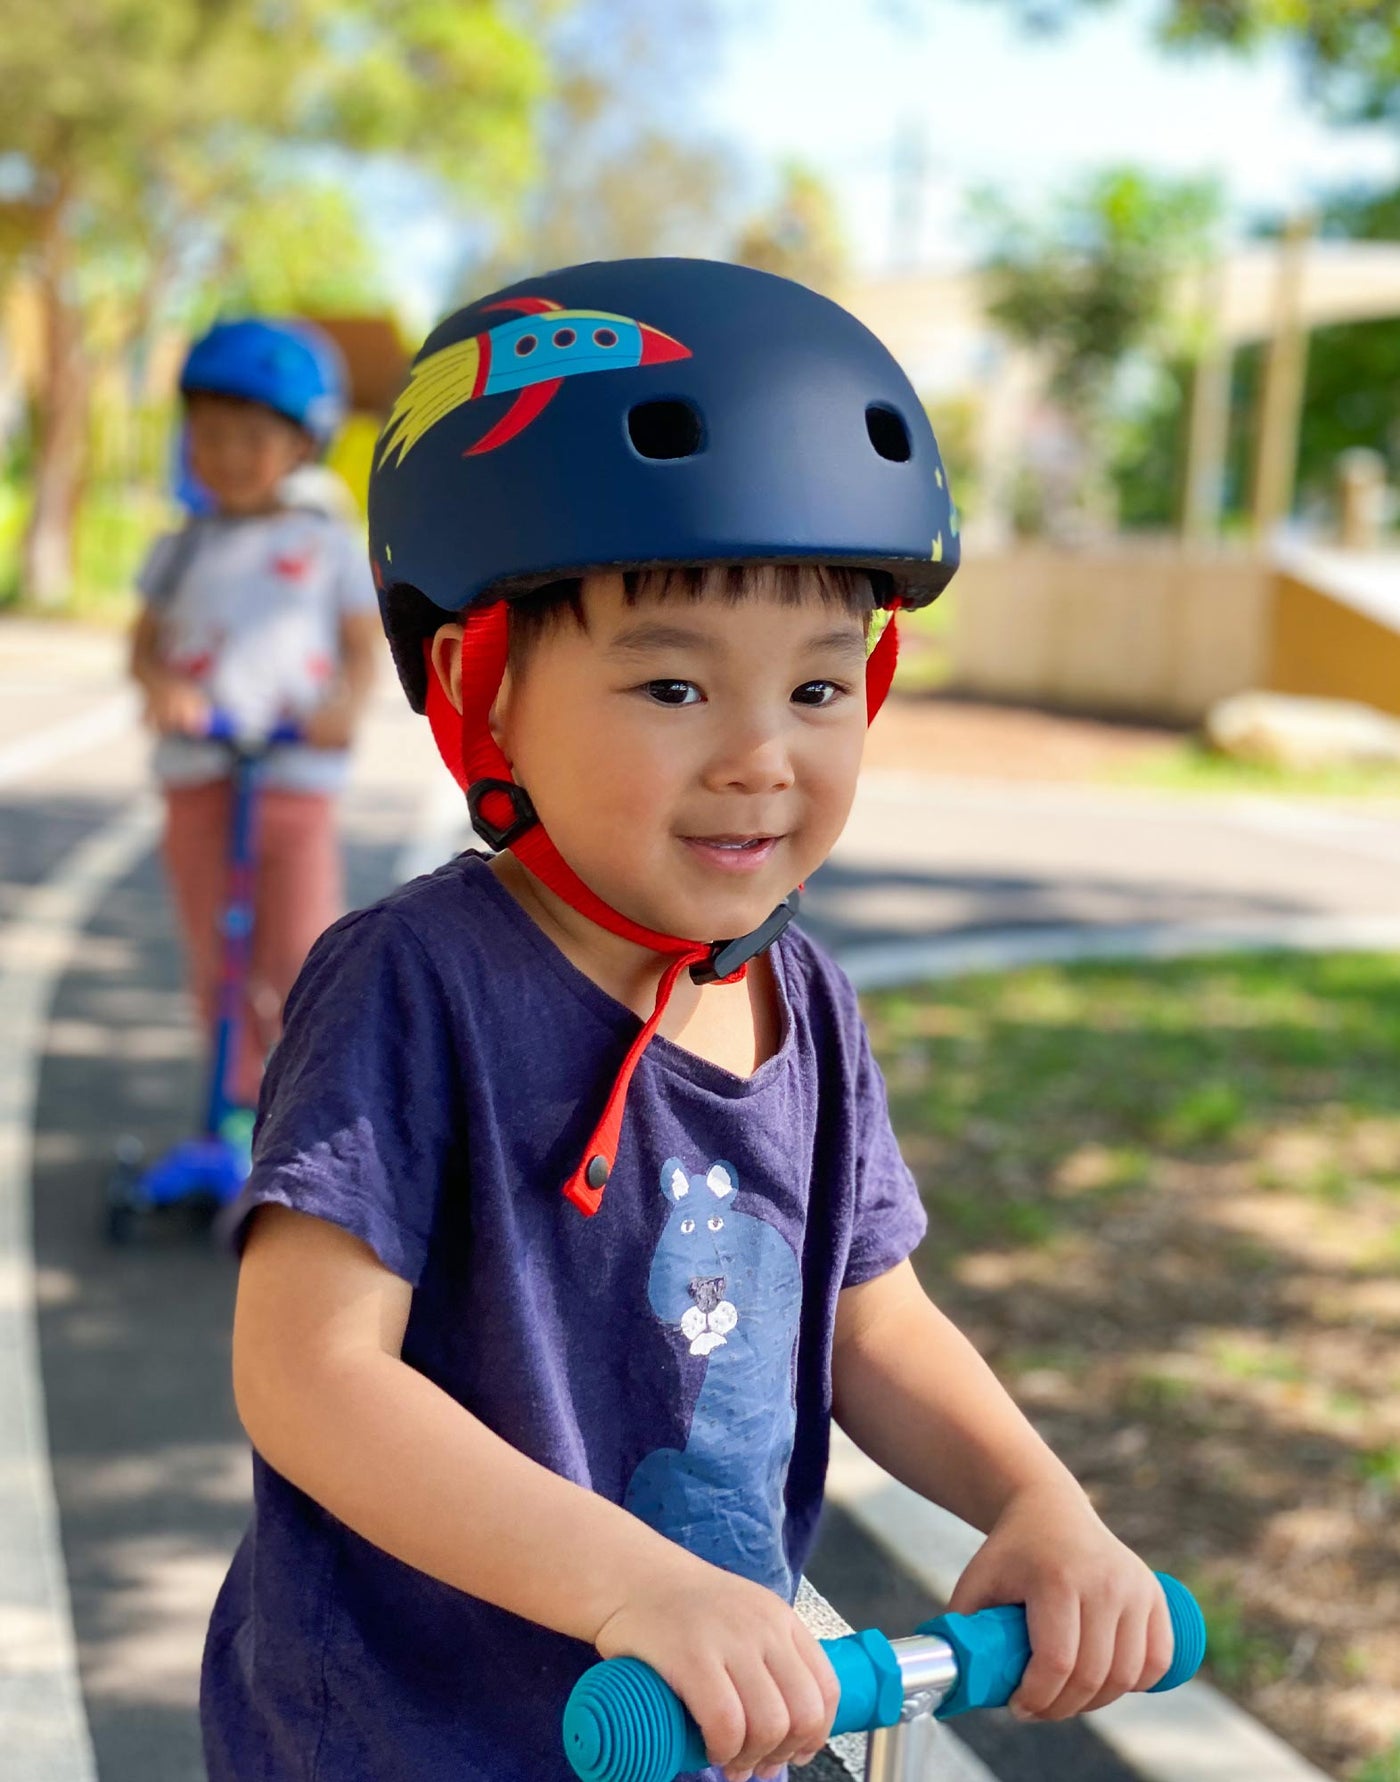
(912, 1391)
(326, 1399)
(173, 703)
(333, 724)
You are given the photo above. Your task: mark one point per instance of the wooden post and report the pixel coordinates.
(1203, 485)
(1280, 407)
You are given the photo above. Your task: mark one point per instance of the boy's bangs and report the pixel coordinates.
(788, 584)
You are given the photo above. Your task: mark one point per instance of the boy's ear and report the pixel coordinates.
(447, 661)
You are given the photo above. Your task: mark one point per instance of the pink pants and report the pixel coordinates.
(298, 892)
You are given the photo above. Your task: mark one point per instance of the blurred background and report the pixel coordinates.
(1141, 259)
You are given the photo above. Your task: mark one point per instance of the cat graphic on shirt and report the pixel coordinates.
(728, 1283)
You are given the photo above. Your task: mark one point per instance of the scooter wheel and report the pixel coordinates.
(121, 1208)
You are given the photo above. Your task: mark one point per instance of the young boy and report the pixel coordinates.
(629, 523)
(265, 612)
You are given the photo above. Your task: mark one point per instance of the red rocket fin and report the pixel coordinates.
(530, 402)
(527, 306)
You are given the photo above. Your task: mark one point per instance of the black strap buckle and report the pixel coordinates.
(498, 836)
(727, 956)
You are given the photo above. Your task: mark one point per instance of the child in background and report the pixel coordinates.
(263, 611)
(630, 522)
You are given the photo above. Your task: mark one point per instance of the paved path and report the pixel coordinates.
(149, 1472)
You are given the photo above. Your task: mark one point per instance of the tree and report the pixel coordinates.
(141, 135)
(622, 173)
(799, 236)
(1086, 288)
(1348, 50)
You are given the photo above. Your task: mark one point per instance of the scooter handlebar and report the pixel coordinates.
(223, 728)
(624, 1724)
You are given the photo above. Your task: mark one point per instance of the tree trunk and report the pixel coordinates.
(61, 413)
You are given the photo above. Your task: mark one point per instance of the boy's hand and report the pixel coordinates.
(1096, 1616)
(332, 724)
(756, 1683)
(176, 706)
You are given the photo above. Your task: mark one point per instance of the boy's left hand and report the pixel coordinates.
(331, 725)
(1096, 1616)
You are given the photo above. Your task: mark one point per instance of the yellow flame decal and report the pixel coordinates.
(936, 555)
(437, 386)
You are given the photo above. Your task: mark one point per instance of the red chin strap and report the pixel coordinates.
(502, 811)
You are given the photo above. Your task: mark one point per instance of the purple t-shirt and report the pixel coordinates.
(440, 1072)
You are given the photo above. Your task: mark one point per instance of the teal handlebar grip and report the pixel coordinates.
(623, 1724)
(992, 1649)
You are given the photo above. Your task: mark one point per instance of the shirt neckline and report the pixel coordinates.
(662, 1053)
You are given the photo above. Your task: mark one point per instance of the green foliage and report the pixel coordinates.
(799, 236)
(1349, 50)
(1087, 289)
(621, 169)
(1089, 283)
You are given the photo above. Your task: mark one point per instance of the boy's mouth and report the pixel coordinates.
(733, 853)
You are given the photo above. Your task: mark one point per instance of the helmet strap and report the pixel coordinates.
(502, 812)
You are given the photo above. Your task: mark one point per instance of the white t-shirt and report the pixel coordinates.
(251, 609)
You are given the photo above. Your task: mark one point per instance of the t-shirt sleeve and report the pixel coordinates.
(353, 585)
(889, 1218)
(361, 1110)
(153, 577)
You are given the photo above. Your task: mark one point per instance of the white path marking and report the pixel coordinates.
(41, 1705)
(41, 748)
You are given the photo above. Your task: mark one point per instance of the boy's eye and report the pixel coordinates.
(673, 692)
(687, 1226)
(818, 692)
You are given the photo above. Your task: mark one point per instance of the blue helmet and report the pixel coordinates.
(738, 417)
(289, 367)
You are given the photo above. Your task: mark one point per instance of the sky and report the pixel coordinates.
(839, 82)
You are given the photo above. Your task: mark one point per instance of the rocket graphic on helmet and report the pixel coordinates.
(532, 355)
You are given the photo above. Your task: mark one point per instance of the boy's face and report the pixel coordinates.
(693, 761)
(241, 451)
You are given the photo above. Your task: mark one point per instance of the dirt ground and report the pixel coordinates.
(943, 734)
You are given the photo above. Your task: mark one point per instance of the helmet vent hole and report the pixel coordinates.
(668, 429)
(888, 434)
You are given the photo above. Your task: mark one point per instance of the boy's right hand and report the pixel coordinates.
(756, 1683)
(176, 706)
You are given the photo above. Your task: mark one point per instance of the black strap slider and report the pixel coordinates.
(727, 956)
(500, 836)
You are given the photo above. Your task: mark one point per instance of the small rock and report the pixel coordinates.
(1284, 730)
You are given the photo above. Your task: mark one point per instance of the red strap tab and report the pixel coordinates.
(600, 1153)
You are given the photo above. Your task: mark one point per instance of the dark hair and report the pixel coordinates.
(790, 584)
(411, 619)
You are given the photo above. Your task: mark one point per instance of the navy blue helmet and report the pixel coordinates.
(635, 412)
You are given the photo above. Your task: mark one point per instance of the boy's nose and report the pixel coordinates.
(757, 762)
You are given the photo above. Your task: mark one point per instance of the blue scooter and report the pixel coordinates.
(206, 1173)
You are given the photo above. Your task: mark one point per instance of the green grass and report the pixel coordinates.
(1383, 1767)
(1192, 767)
(1024, 1099)
(1242, 1654)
